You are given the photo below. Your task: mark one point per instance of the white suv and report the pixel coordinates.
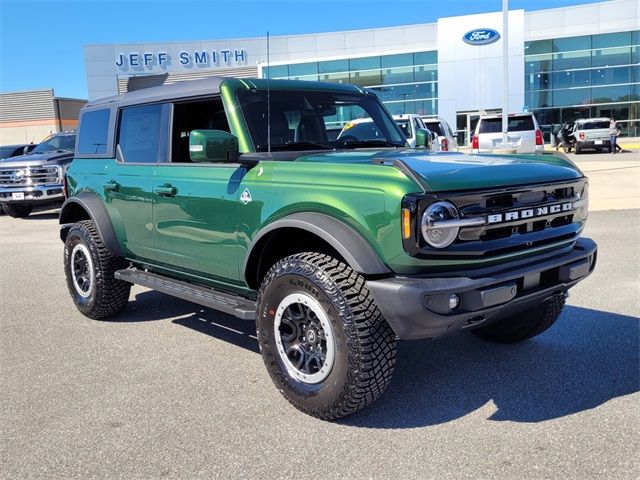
(410, 123)
(446, 138)
(523, 134)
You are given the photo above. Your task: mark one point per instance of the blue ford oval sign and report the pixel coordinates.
(481, 36)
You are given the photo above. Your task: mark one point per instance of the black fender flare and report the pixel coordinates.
(94, 206)
(356, 251)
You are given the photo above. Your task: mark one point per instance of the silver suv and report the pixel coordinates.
(592, 134)
(523, 134)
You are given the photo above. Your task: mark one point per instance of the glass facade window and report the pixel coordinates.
(405, 82)
(333, 66)
(572, 43)
(585, 76)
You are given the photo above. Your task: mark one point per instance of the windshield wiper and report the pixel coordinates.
(368, 143)
(296, 146)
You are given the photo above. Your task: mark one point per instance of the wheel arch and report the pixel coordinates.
(88, 206)
(313, 231)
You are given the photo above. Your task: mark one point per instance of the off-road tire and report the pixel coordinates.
(108, 296)
(578, 150)
(366, 346)
(18, 210)
(525, 325)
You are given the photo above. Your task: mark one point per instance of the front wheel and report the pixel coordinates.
(17, 210)
(89, 269)
(525, 325)
(323, 340)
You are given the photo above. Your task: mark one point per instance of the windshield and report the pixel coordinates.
(312, 120)
(56, 143)
(521, 123)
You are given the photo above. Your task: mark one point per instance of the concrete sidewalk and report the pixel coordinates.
(614, 181)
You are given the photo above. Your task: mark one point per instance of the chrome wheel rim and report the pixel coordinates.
(304, 338)
(82, 270)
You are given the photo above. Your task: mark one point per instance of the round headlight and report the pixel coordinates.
(583, 210)
(439, 236)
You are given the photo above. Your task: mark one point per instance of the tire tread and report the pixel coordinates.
(368, 333)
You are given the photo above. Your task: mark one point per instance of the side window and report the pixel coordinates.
(139, 132)
(205, 114)
(94, 130)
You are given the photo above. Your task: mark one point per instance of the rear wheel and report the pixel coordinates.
(524, 325)
(578, 150)
(323, 340)
(18, 210)
(89, 269)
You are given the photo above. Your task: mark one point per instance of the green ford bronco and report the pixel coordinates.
(265, 200)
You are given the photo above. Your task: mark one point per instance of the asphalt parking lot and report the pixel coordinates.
(171, 390)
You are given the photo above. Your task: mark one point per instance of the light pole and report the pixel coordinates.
(505, 72)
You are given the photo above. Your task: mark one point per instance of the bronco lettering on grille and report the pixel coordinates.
(530, 213)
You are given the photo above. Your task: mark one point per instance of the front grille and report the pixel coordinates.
(15, 177)
(507, 235)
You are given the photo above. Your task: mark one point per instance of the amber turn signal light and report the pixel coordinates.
(406, 223)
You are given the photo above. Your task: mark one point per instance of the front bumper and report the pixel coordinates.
(32, 195)
(418, 307)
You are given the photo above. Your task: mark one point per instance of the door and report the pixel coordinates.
(195, 204)
(129, 179)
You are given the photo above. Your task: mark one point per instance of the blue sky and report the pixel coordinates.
(41, 41)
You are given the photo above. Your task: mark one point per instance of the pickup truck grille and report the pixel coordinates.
(11, 177)
(521, 218)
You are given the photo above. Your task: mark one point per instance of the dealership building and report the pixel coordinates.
(564, 63)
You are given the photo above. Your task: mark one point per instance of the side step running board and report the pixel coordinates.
(234, 305)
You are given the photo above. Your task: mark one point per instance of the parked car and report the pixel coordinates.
(523, 134)
(411, 124)
(446, 139)
(37, 177)
(8, 151)
(229, 193)
(591, 134)
(367, 129)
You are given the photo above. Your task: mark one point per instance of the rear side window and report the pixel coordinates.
(436, 127)
(139, 133)
(94, 129)
(516, 124)
(404, 126)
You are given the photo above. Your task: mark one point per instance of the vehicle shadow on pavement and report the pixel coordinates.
(587, 358)
(149, 306)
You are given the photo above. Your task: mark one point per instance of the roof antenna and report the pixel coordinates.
(268, 99)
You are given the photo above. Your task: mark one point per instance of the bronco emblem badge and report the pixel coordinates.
(245, 197)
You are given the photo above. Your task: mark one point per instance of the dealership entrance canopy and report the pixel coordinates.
(564, 63)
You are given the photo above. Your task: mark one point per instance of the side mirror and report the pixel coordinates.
(212, 146)
(423, 138)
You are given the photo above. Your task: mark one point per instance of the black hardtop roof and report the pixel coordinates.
(192, 88)
(208, 86)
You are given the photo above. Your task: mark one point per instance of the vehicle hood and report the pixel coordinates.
(35, 159)
(448, 171)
